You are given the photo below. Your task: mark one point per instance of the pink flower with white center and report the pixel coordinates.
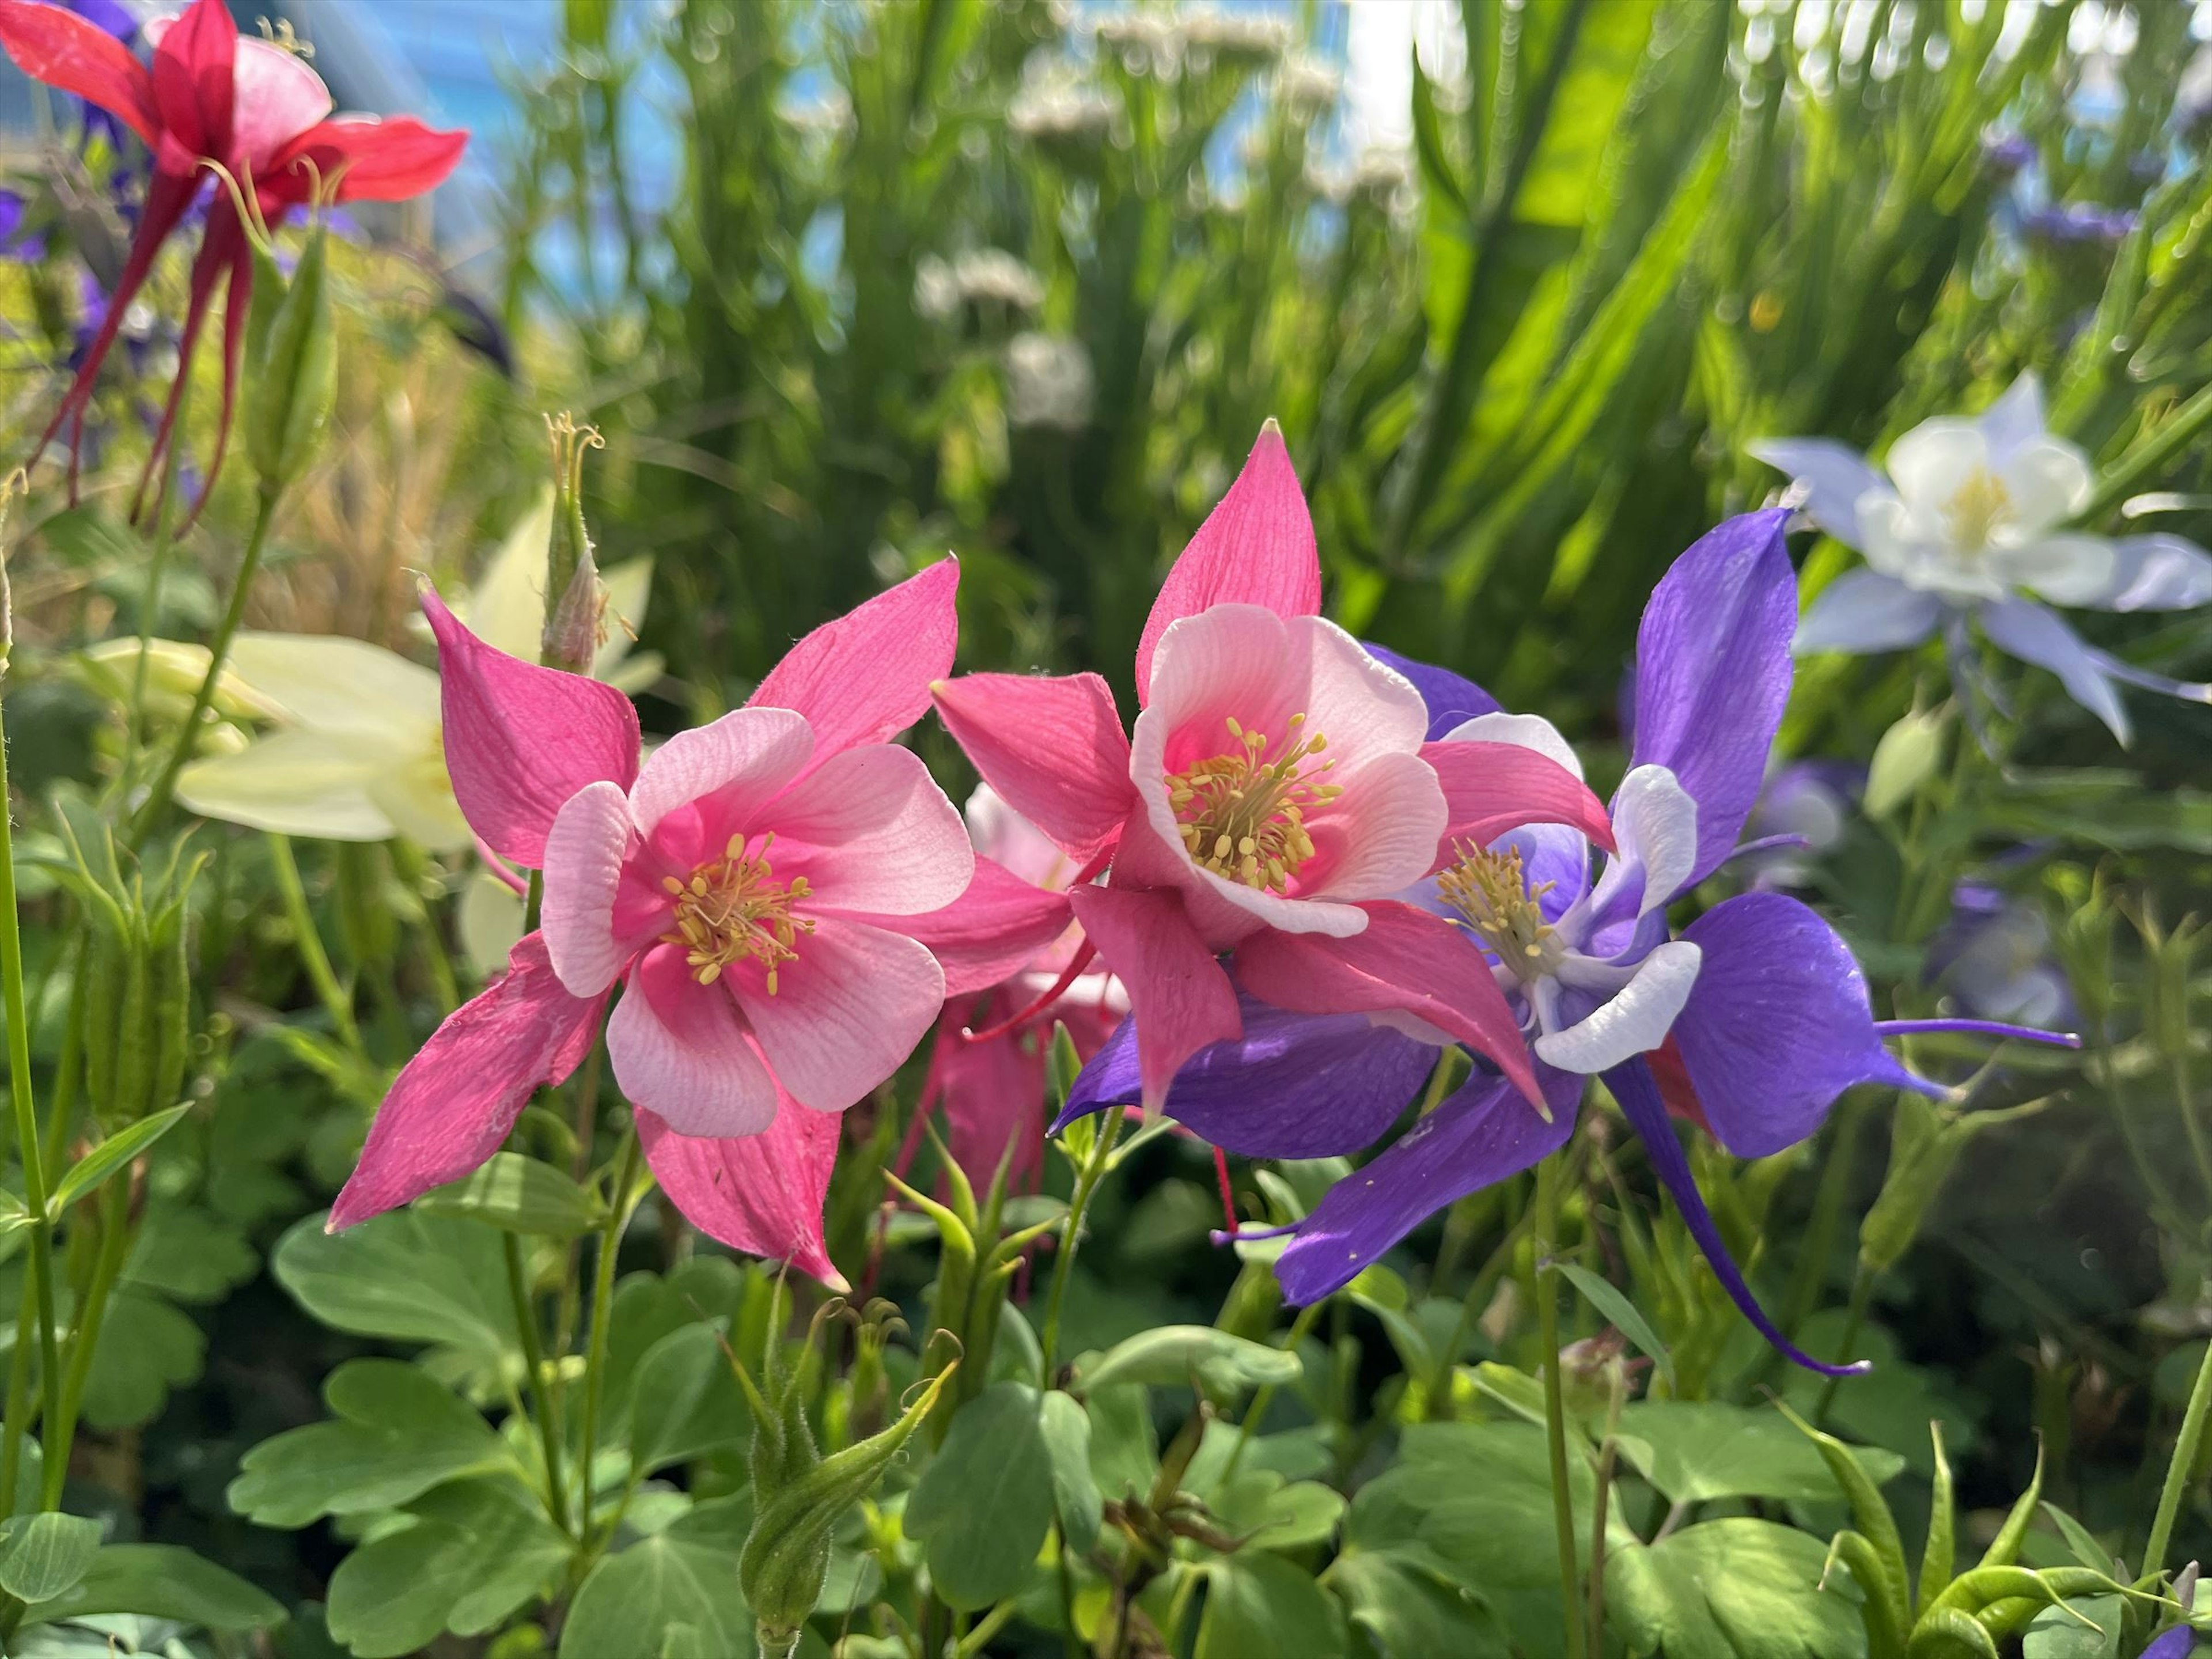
(1277, 790)
(785, 895)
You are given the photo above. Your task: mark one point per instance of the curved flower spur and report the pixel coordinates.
(785, 895)
(1749, 1024)
(1276, 793)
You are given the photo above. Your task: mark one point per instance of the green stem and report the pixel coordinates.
(84, 1337)
(2185, 1101)
(149, 607)
(165, 785)
(1607, 1455)
(19, 1404)
(312, 957)
(2177, 1469)
(27, 1112)
(1087, 1182)
(619, 1207)
(533, 1359)
(1862, 1277)
(1265, 1396)
(1438, 1403)
(1555, 1408)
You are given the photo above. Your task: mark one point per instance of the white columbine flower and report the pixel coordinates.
(1967, 526)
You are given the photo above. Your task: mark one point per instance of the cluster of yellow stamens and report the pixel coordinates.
(733, 909)
(1489, 890)
(1976, 509)
(1244, 815)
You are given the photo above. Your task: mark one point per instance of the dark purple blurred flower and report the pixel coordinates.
(2009, 153)
(2079, 222)
(15, 247)
(1802, 813)
(1994, 959)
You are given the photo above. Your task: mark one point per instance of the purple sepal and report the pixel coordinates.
(1294, 1086)
(1453, 699)
(1995, 1028)
(1637, 1091)
(2171, 1644)
(1778, 1024)
(1712, 672)
(1481, 1133)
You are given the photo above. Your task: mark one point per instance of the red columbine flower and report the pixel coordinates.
(215, 101)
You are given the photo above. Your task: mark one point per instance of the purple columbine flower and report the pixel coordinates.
(1749, 1023)
(1969, 520)
(1994, 959)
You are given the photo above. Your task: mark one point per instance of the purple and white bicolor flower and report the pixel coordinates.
(1749, 1023)
(1967, 526)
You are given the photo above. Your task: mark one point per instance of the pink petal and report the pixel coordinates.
(585, 851)
(1406, 961)
(864, 677)
(991, 932)
(195, 78)
(733, 766)
(387, 160)
(678, 1049)
(846, 1013)
(1053, 748)
(75, 55)
(871, 832)
(520, 739)
(279, 97)
(1178, 994)
(454, 1102)
(1379, 835)
(1236, 661)
(1256, 547)
(1364, 707)
(759, 1193)
(1492, 787)
(993, 1092)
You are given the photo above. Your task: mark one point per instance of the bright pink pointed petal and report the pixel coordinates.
(1406, 961)
(1054, 748)
(454, 1102)
(591, 837)
(76, 56)
(846, 1011)
(1492, 787)
(873, 834)
(1256, 547)
(195, 79)
(392, 159)
(993, 1092)
(1178, 994)
(761, 1193)
(991, 932)
(520, 739)
(864, 677)
(678, 1048)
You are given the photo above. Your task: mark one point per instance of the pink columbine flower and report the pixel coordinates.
(784, 896)
(1276, 791)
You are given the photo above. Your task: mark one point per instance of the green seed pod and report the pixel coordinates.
(575, 598)
(295, 379)
(172, 1007)
(101, 999)
(134, 1039)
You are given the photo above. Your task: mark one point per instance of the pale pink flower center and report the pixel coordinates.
(1243, 815)
(733, 909)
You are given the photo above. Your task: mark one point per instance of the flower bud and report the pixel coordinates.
(1905, 758)
(1593, 1374)
(295, 375)
(575, 598)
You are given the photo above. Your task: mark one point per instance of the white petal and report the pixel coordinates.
(1864, 610)
(1834, 475)
(340, 687)
(1523, 732)
(507, 606)
(2048, 480)
(1929, 463)
(1654, 823)
(2034, 634)
(2014, 418)
(629, 587)
(489, 923)
(1637, 1018)
(294, 783)
(2158, 572)
(2065, 570)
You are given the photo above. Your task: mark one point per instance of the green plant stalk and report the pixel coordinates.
(1087, 1182)
(19, 1403)
(1555, 1407)
(165, 785)
(533, 1359)
(2178, 1467)
(603, 1297)
(157, 569)
(26, 1119)
(1608, 1455)
(84, 1336)
(312, 957)
(1862, 1277)
(1264, 1396)
(1470, 1310)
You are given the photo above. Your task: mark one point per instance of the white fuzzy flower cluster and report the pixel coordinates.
(1048, 382)
(981, 276)
(1058, 105)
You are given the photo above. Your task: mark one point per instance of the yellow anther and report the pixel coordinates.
(1977, 509)
(733, 909)
(1491, 892)
(1243, 814)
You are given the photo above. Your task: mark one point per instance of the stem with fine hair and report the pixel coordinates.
(2179, 1467)
(533, 1360)
(1087, 1182)
(165, 784)
(602, 1297)
(63, 1402)
(1555, 1407)
(312, 957)
(1862, 1277)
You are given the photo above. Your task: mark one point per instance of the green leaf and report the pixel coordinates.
(1075, 1494)
(397, 1433)
(1270, 1513)
(407, 1277)
(683, 1576)
(88, 1172)
(1415, 1608)
(1173, 1354)
(147, 1347)
(2080, 1539)
(983, 1504)
(162, 1581)
(1609, 1300)
(43, 1555)
(1258, 1603)
(190, 1255)
(2060, 1632)
(519, 1195)
(1736, 1589)
(685, 1401)
(474, 1553)
(1695, 1452)
(1562, 175)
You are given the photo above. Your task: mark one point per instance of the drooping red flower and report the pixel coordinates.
(213, 99)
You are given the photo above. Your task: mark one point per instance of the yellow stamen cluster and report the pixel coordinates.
(1976, 509)
(1491, 892)
(733, 909)
(1244, 815)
